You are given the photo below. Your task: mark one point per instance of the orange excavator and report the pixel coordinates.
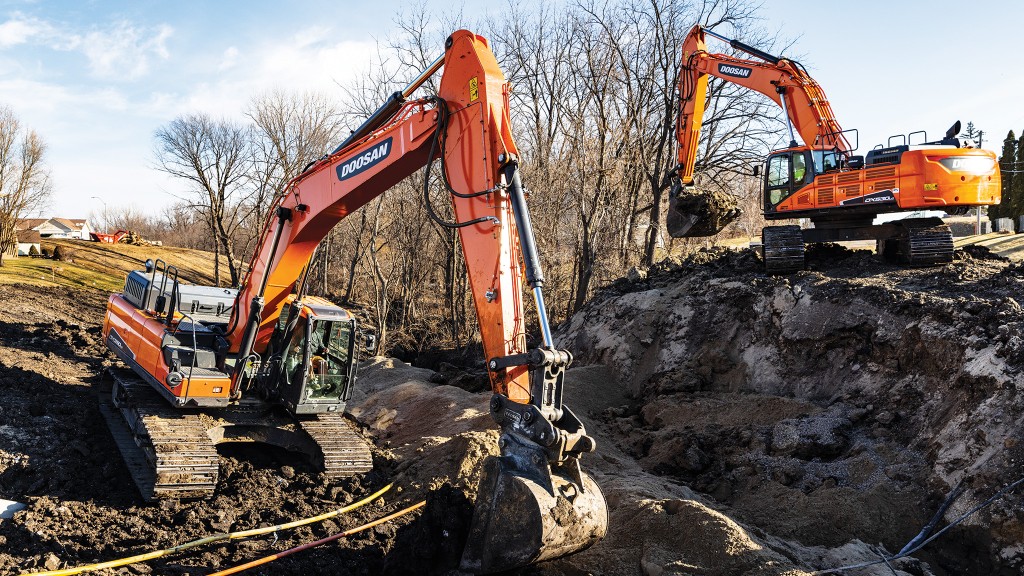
(821, 180)
(269, 363)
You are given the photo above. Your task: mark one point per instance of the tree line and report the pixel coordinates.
(594, 106)
(1011, 167)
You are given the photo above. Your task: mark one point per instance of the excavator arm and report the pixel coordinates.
(467, 128)
(697, 213)
(784, 81)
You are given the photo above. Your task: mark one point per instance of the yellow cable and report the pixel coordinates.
(338, 536)
(210, 539)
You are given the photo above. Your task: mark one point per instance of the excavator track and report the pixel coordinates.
(171, 452)
(344, 452)
(926, 243)
(783, 249)
(167, 450)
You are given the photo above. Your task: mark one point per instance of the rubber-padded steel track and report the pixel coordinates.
(783, 249)
(171, 452)
(927, 244)
(180, 458)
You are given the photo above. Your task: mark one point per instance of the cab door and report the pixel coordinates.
(787, 172)
(778, 180)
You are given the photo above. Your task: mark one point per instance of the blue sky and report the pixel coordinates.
(96, 79)
(899, 66)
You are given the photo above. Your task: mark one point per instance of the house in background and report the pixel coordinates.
(26, 240)
(31, 231)
(77, 229)
(70, 228)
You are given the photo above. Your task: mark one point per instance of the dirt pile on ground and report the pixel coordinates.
(836, 404)
(57, 457)
(745, 425)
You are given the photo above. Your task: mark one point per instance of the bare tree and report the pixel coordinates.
(292, 130)
(213, 156)
(24, 180)
(295, 130)
(593, 102)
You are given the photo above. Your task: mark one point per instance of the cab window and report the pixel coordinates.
(824, 161)
(799, 168)
(292, 357)
(778, 171)
(330, 353)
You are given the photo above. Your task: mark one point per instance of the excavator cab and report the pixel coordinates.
(788, 171)
(314, 357)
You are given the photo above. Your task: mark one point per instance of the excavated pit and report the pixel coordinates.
(746, 424)
(835, 404)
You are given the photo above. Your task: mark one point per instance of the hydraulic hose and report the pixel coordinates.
(211, 539)
(338, 536)
(442, 128)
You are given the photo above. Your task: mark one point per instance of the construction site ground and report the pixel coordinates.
(746, 425)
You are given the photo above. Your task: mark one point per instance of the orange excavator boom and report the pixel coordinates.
(786, 82)
(265, 350)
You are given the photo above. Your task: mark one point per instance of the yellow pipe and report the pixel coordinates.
(210, 539)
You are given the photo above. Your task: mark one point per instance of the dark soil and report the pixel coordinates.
(56, 456)
(816, 411)
(843, 402)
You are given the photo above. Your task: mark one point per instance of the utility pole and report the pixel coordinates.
(106, 225)
(977, 210)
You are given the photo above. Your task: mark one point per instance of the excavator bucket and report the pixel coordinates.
(527, 512)
(693, 213)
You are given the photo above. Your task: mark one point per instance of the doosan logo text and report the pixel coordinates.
(364, 161)
(737, 71)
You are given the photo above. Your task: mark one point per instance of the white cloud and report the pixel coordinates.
(311, 60)
(108, 86)
(229, 59)
(118, 51)
(49, 102)
(124, 51)
(20, 28)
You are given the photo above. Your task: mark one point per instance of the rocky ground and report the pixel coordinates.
(746, 425)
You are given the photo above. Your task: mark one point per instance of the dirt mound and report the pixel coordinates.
(746, 424)
(57, 457)
(836, 404)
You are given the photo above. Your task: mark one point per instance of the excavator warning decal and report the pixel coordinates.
(364, 160)
(474, 89)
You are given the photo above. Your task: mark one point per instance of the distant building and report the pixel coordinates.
(59, 228)
(30, 232)
(26, 240)
(71, 228)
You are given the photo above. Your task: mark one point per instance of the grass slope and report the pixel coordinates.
(103, 267)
